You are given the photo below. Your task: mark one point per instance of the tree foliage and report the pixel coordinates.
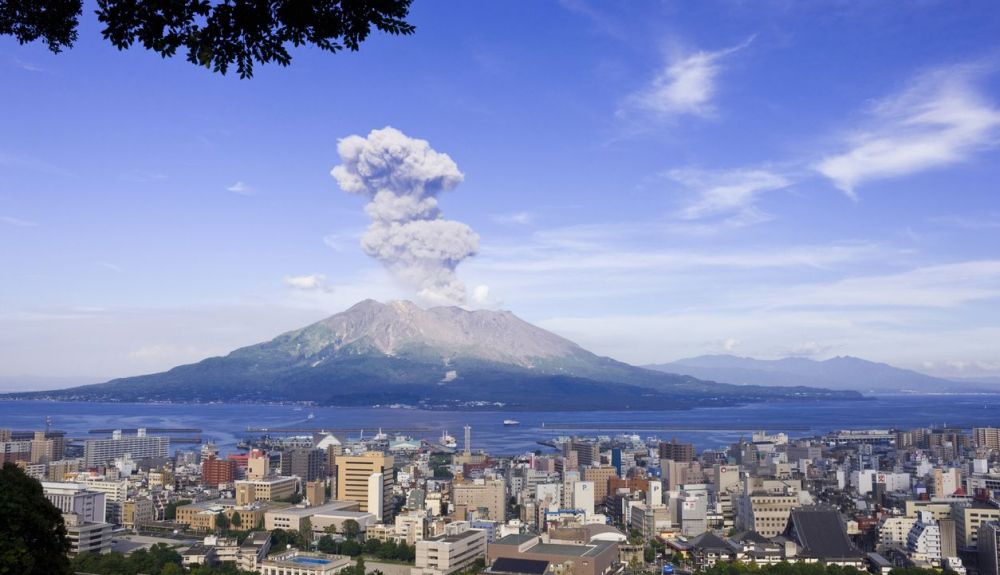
(783, 568)
(159, 559)
(33, 538)
(213, 34)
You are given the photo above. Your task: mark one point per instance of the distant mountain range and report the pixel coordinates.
(844, 373)
(399, 353)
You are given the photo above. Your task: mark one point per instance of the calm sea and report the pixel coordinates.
(227, 424)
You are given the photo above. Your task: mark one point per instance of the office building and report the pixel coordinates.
(512, 552)
(86, 536)
(986, 437)
(354, 481)
(73, 498)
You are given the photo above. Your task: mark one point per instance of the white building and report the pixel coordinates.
(140, 446)
(924, 540)
(449, 553)
(89, 506)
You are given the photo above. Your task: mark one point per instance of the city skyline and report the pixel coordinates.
(653, 184)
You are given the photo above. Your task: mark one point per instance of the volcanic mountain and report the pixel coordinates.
(399, 353)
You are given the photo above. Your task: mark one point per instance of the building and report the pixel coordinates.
(139, 446)
(354, 473)
(924, 540)
(306, 464)
(315, 493)
(216, 472)
(968, 518)
(986, 437)
(674, 451)
(320, 516)
(594, 558)
(601, 477)
(487, 498)
(448, 553)
(87, 536)
(137, 512)
(74, 498)
(989, 548)
(820, 536)
(304, 563)
(253, 550)
(267, 489)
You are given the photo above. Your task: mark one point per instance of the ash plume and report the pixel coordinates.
(402, 176)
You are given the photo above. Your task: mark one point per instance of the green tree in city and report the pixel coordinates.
(306, 530)
(221, 522)
(170, 511)
(351, 529)
(33, 538)
(236, 521)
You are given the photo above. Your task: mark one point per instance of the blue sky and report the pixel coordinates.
(651, 180)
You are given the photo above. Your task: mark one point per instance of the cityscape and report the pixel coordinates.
(522, 287)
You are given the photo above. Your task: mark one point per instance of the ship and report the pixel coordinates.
(448, 441)
(509, 422)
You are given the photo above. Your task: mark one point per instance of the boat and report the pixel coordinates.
(448, 441)
(510, 422)
(311, 415)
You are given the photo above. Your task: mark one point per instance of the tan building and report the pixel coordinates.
(354, 474)
(267, 489)
(969, 518)
(987, 437)
(446, 554)
(137, 512)
(766, 504)
(488, 498)
(601, 476)
(204, 515)
(315, 493)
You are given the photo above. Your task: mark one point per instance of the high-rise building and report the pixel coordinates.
(989, 548)
(674, 451)
(140, 446)
(354, 474)
(306, 464)
(215, 472)
(987, 437)
(600, 476)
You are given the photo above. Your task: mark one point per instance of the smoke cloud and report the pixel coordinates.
(402, 177)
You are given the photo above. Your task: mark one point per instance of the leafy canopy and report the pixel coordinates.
(213, 34)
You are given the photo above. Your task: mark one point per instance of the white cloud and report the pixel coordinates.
(518, 218)
(17, 222)
(730, 344)
(726, 192)
(242, 189)
(686, 85)
(940, 119)
(308, 282)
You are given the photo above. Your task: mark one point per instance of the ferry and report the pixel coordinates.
(509, 422)
(448, 441)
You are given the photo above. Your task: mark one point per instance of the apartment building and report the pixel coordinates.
(448, 553)
(355, 481)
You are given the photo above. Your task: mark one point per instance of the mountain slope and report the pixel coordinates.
(376, 353)
(846, 373)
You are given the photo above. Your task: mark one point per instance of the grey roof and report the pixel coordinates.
(821, 533)
(516, 539)
(709, 540)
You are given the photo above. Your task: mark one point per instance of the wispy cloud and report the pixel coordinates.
(518, 218)
(17, 222)
(27, 66)
(111, 266)
(313, 282)
(730, 193)
(242, 189)
(940, 119)
(685, 86)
